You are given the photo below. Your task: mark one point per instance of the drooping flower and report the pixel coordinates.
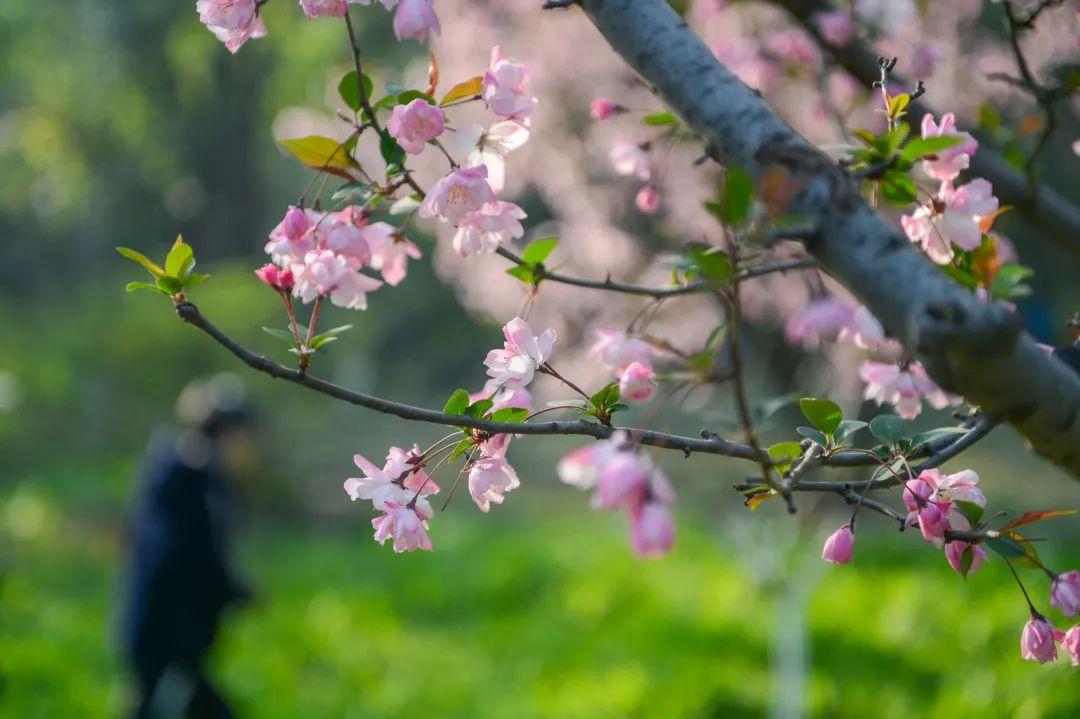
(623, 480)
(504, 87)
(275, 277)
(951, 218)
(489, 479)
(1070, 642)
(925, 509)
(1065, 593)
(866, 332)
(836, 27)
(415, 124)
(398, 481)
(233, 22)
(1037, 640)
(602, 108)
(490, 147)
(903, 387)
(617, 350)
(637, 382)
(457, 195)
(415, 19)
(630, 158)
(652, 530)
(959, 487)
(820, 321)
(950, 162)
(484, 230)
(955, 554)
(406, 525)
(581, 467)
(521, 355)
(290, 240)
(648, 199)
(839, 546)
(390, 251)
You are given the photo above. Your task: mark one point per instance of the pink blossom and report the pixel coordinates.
(415, 124)
(291, 239)
(951, 219)
(821, 320)
(648, 199)
(1037, 640)
(623, 480)
(522, 353)
(954, 553)
(630, 158)
(275, 277)
(602, 108)
(318, 274)
(490, 147)
(352, 290)
(903, 387)
(581, 467)
(948, 163)
(637, 382)
(404, 466)
(324, 8)
(1065, 593)
(959, 487)
(1070, 642)
(493, 224)
(836, 27)
(233, 22)
(397, 482)
(406, 525)
(457, 195)
(489, 479)
(617, 350)
(793, 46)
(866, 332)
(652, 530)
(925, 509)
(921, 64)
(839, 546)
(504, 87)
(343, 233)
(390, 251)
(415, 19)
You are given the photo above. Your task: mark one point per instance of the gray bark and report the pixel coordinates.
(975, 349)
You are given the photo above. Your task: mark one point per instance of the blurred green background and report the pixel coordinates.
(123, 123)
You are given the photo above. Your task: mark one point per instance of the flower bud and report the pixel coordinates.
(1065, 593)
(1037, 640)
(275, 277)
(602, 108)
(839, 546)
(648, 199)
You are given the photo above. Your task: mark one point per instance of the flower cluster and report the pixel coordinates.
(621, 476)
(399, 491)
(320, 254)
(1039, 640)
(629, 358)
(234, 22)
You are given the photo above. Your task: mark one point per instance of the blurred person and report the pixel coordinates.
(181, 578)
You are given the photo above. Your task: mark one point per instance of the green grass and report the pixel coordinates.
(528, 615)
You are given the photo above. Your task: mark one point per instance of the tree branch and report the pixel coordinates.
(967, 346)
(1047, 208)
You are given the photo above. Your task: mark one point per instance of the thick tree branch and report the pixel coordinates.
(973, 348)
(1047, 208)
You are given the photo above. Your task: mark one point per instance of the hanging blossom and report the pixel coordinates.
(617, 349)
(631, 158)
(522, 354)
(950, 162)
(1037, 641)
(623, 478)
(489, 479)
(324, 253)
(416, 124)
(866, 332)
(904, 387)
(415, 19)
(839, 546)
(233, 22)
(504, 88)
(952, 218)
(465, 200)
(821, 320)
(638, 382)
(398, 490)
(929, 499)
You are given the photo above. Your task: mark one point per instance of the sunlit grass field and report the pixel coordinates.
(541, 615)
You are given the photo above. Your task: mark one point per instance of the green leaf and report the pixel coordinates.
(609, 394)
(847, 428)
(353, 193)
(898, 188)
(458, 402)
(898, 103)
(783, 454)
(350, 91)
(322, 153)
(663, 117)
(972, 511)
(195, 280)
(180, 260)
(409, 95)
(890, 142)
(461, 448)
(1008, 283)
(514, 415)
(813, 435)
(135, 286)
(170, 285)
(712, 262)
(934, 434)
(389, 148)
(822, 413)
(888, 428)
(538, 250)
(471, 87)
(284, 335)
(142, 260)
(328, 336)
(921, 147)
(1006, 547)
(737, 197)
(479, 408)
(523, 273)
